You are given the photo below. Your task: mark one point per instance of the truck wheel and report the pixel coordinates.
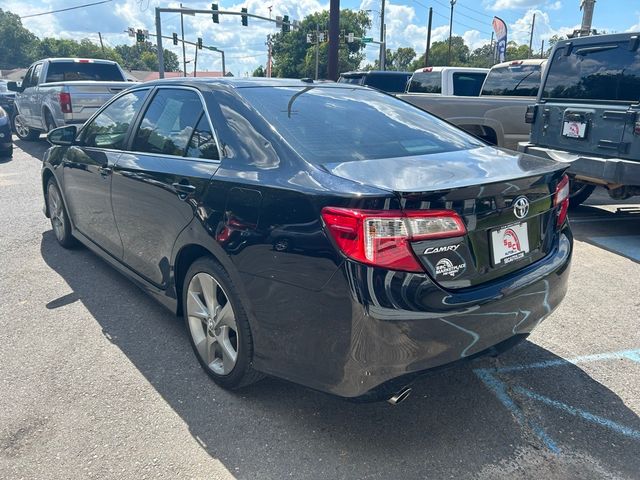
(22, 130)
(579, 192)
(49, 123)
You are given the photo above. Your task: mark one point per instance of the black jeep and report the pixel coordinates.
(588, 114)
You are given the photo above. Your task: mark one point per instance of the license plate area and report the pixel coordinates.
(510, 243)
(572, 129)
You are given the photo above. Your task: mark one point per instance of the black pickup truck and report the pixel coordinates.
(587, 114)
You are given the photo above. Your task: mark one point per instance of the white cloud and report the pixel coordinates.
(475, 39)
(512, 4)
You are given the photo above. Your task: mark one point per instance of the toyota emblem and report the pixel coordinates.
(521, 207)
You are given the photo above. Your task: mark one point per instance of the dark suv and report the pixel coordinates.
(588, 114)
(387, 80)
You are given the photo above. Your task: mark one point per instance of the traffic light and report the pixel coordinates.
(285, 24)
(245, 19)
(139, 36)
(215, 17)
(199, 43)
(175, 38)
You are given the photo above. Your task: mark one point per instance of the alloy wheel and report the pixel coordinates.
(212, 323)
(56, 212)
(21, 129)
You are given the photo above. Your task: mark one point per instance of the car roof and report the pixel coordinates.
(75, 59)
(441, 69)
(356, 73)
(247, 82)
(529, 61)
(613, 37)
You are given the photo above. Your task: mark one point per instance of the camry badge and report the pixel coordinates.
(521, 207)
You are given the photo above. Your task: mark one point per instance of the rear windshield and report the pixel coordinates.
(75, 71)
(426, 82)
(329, 124)
(468, 84)
(606, 71)
(513, 81)
(388, 82)
(353, 79)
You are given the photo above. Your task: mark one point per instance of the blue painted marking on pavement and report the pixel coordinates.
(590, 417)
(499, 388)
(627, 245)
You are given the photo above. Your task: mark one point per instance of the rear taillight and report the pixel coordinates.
(530, 114)
(65, 102)
(636, 125)
(561, 200)
(382, 238)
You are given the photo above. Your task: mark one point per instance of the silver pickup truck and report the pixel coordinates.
(62, 91)
(498, 114)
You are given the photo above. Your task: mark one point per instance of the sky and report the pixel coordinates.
(245, 47)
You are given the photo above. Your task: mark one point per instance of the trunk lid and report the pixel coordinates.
(483, 186)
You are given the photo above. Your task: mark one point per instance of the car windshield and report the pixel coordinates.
(513, 80)
(75, 71)
(388, 82)
(606, 71)
(329, 124)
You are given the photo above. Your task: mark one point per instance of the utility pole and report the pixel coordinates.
(195, 63)
(587, 7)
(533, 24)
(453, 2)
(159, 44)
(317, 49)
(334, 39)
(426, 52)
(492, 54)
(383, 46)
(101, 44)
(270, 7)
(542, 50)
(184, 52)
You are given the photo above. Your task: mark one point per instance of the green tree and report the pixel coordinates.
(482, 56)
(16, 42)
(294, 57)
(439, 54)
(144, 56)
(398, 60)
(517, 52)
(259, 72)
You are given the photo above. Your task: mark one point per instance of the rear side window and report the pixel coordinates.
(392, 83)
(608, 71)
(203, 143)
(513, 81)
(76, 71)
(426, 82)
(333, 124)
(168, 123)
(468, 84)
(109, 128)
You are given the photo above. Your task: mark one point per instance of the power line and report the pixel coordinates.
(455, 22)
(475, 11)
(66, 9)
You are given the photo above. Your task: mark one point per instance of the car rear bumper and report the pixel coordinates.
(609, 171)
(375, 330)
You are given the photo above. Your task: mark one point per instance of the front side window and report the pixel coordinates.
(109, 128)
(606, 71)
(27, 78)
(35, 76)
(168, 123)
(425, 82)
(338, 124)
(513, 80)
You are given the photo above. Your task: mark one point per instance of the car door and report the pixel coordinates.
(32, 98)
(22, 98)
(88, 166)
(157, 184)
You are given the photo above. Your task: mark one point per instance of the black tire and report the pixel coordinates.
(60, 223)
(23, 132)
(579, 192)
(242, 373)
(49, 122)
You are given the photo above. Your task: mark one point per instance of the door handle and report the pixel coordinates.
(184, 189)
(104, 171)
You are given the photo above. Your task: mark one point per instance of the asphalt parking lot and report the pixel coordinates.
(98, 381)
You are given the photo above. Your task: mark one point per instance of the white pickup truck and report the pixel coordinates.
(62, 91)
(459, 81)
(497, 115)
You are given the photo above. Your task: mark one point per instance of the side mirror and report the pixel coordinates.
(63, 136)
(13, 86)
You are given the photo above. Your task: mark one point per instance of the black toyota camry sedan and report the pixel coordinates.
(328, 234)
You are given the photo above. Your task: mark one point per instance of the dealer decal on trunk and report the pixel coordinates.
(446, 267)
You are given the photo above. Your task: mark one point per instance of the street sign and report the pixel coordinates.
(131, 31)
(310, 38)
(367, 39)
(350, 37)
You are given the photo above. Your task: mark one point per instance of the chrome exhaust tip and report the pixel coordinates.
(400, 396)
